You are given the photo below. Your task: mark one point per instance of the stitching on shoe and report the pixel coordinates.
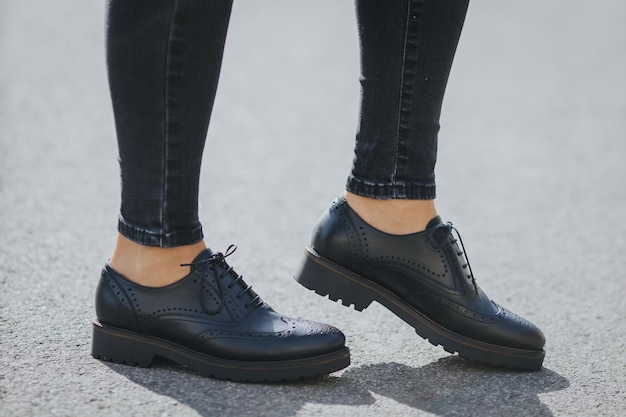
(122, 297)
(487, 318)
(229, 333)
(351, 233)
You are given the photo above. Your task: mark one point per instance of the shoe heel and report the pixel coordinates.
(325, 278)
(112, 345)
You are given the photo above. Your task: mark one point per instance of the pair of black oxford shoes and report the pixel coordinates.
(214, 323)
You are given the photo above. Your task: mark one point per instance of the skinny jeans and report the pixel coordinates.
(164, 60)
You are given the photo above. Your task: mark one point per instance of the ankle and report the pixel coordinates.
(393, 216)
(152, 266)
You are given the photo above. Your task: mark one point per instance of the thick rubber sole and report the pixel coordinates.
(327, 278)
(122, 346)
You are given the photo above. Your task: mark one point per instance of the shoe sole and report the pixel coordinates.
(327, 278)
(117, 345)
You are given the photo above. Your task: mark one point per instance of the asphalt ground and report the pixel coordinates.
(531, 170)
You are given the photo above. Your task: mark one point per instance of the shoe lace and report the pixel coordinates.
(219, 258)
(460, 251)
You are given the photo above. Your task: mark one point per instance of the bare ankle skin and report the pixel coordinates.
(152, 266)
(396, 217)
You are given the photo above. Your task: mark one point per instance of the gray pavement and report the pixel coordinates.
(531, 170)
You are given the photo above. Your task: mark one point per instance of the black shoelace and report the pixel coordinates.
(218, 259)
(449, 228)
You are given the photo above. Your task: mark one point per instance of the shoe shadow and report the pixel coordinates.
(449, 387)
(453, 386)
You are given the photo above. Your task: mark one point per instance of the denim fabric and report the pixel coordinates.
(164, 59)
(407, 48)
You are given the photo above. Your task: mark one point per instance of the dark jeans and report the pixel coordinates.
(164, 59)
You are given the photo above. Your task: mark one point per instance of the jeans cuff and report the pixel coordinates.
(162, 240)
(410, 191)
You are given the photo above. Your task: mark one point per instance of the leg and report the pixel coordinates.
(164, 59)
(404, 73)
(163, 74)
(383, 241)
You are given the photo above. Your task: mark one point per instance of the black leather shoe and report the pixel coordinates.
(212, 322)
(425, 279)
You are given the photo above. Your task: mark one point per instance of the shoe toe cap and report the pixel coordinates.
(310, 338)
(518, 332)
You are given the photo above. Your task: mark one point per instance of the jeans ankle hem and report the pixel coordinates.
(162, 240)
(411, 191)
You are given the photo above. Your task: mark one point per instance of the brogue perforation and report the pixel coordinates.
(238, 337)
(424, 278)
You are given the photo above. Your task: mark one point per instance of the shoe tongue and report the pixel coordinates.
(434, 222)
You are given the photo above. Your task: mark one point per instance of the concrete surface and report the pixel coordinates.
(532, 170)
